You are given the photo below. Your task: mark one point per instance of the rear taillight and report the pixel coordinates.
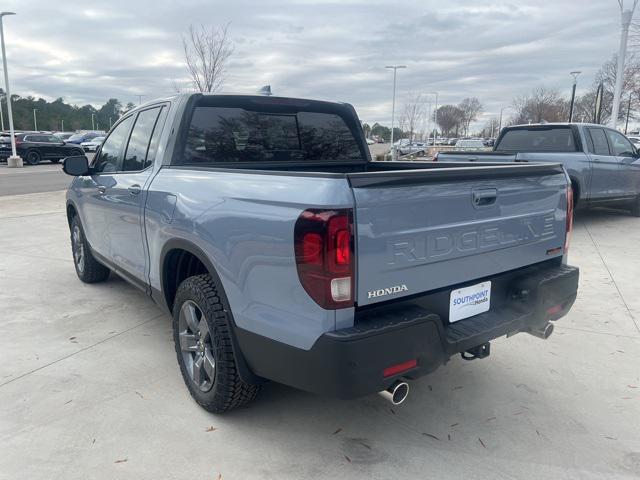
(324, 256)
(567, 240)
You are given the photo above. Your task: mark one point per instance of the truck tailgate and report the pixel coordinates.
(421, 230)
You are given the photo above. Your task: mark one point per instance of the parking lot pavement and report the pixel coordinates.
(45, 177)
(90, 387)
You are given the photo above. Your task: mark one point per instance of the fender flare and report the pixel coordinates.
(178, 243)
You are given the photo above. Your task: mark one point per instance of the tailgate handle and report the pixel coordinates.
(483, 198)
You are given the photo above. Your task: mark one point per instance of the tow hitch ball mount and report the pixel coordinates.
(480, 351)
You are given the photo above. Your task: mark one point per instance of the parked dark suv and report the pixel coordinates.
(34, 147)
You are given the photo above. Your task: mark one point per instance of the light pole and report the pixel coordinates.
(625, 17)
(14, 160)
(393, 103)
(427, 123)
(500, 123)
(435, 118)
(1, 114)
(93, 125)
(35, 121)
(62, 126)
(573, 93)
(140, 99)
(626, 124)
(110, 123)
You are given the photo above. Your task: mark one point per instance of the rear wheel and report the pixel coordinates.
(33, 157)
(203, 343)
(89, 270)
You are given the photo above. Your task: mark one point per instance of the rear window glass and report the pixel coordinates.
(237, 135)
(538, 140)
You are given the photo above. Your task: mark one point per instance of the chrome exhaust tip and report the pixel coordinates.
(543, 333)
(396, 393)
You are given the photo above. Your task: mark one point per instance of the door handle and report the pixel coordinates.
(134, 189)
(102, 189)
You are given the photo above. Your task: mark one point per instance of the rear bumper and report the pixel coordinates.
(349, 363)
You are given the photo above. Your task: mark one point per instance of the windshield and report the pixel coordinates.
(536, 139)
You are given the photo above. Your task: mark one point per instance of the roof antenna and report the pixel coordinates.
(266, 90)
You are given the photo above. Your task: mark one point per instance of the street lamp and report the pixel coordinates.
(93, 125)
(393, 104)
(500, 124)
(1, 114)
(573, 93)
(625, 17)
(35, 121)
(14, 160)
(427, 122)
(435, 118)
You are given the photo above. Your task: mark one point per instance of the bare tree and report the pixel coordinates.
(585, 104)
(541, 105)
(412, 112)
(490, 128)
(471, 108)
(206, 52)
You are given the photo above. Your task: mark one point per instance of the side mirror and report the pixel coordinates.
(76, 166)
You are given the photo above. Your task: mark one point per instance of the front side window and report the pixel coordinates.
(109, 159)
(136, 155)
(599, 141)
(620, 145)
(237, 135)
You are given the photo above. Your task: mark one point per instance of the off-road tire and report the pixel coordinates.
(91, 271)
(228, 390)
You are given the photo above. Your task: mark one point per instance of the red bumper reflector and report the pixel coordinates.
(555, 309)
(399, 368)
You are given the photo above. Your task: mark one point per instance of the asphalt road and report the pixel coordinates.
(46, 177)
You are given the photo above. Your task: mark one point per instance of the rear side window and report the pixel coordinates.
(599, 144)
(236, 135)
(136, 154)
(538, 140)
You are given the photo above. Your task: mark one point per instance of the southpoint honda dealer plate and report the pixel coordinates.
(469, 301)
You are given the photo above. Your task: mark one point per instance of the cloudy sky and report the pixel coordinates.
(88, 51)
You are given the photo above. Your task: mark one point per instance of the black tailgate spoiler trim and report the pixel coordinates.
(456, 171)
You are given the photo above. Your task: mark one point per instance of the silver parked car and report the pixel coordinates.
(93, 144)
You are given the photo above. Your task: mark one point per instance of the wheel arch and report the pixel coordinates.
(72, 211)
(181, 259)
(577, 191)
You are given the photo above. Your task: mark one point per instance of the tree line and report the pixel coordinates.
(58, 115)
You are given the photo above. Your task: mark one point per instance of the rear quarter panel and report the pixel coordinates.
(244, 222)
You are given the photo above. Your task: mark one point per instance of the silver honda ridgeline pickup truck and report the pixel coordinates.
(284, 253)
